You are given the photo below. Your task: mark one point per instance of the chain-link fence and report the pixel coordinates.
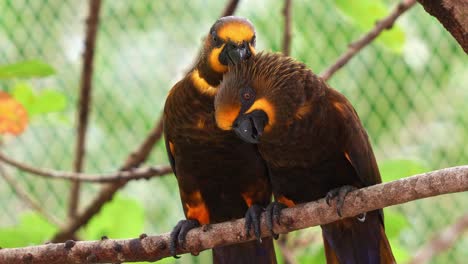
(411, 95)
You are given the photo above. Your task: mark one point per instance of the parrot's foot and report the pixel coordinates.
(252, 221)
(340, 195)
(179, 233)
(273, 214)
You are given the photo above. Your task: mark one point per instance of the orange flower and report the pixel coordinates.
(13, 116)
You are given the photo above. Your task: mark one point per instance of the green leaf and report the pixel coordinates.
(399, 252)
(121, 218)
(313, 255)
(32, 229)
(47, 101)
(395, 222)
(26, 69)
(395, 169)
(365, 13)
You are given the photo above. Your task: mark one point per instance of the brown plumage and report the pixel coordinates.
(219, 176)
(313, 143)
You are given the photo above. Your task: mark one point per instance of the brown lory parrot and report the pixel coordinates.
(314, 145)
(220, 177)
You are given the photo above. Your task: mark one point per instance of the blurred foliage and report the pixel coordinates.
(32, 229)
(121, 218)
(26, 69)
(408, 89)
(396, 169)
(13, 116)
(365, 13)
(43, 102)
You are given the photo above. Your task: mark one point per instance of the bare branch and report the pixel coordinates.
(107, 192)
(132, 174)
(84, 100)
(230, 8)
(442, 241)
(365, 40)
(453, 14)
(287, 27)
(152, 248)
(26, 198)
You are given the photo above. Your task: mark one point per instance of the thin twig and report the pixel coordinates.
(107, 192)
(230, 8)
(287, 28)
(26, 198)
(84, 100)
(132, 174)
(442, 241)
(152, 248)
(365, 40)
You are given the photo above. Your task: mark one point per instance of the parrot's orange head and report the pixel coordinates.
(259, 94)
(230, 40)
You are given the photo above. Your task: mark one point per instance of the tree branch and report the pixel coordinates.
(287, 28)
(365, 40)
(132, 174)
(453, 15)
(152, 248)
(107, 192)
(442, 241)
(26, 198)
(230, 8)
(84, 100)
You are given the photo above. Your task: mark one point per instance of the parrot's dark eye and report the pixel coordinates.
(216, 40)
(247, 96)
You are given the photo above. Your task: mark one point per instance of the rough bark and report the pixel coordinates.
(453, 15)
(152, 248)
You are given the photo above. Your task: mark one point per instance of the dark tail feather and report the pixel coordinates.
(250, 252)
(329, 253)
(350, 241)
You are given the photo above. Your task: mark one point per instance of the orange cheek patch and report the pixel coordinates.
(214, 60)
(286, 201)
(196, 208)
(225, 116)
(236, 31)
(202, 85)
(267, 107)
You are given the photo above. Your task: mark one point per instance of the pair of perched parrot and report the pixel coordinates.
(242, 126)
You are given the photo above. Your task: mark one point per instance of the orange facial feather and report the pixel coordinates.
(267, 107)
(226, 115)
